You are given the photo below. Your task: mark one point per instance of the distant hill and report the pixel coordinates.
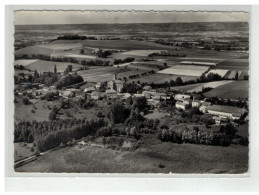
(138, 27)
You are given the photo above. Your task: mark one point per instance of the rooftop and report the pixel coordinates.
(226, 109)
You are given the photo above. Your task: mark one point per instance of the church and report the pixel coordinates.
(116, 84)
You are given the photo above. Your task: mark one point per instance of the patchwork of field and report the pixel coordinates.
(115, 44)
(232, 90)
(161, 78)
(152, 157)
(187, 70)
(199, 86)
(25, 62)
(46, 66)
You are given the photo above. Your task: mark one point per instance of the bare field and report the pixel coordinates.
(234, 64)
(25, 62)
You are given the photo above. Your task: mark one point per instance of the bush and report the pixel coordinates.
(26, 101)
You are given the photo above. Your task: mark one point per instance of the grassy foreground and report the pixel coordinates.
(152, 157)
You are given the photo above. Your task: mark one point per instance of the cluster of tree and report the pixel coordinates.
(48, 78)
(68, 69)
(19, 67)
(104, 54)
(50, 134)
(69, 80)
(228, 102)
(95, 63)
(53, 113)
(75, 37)
(121, 61)
(223, 137)
(50, 96)
(165, 53)
(131, 88)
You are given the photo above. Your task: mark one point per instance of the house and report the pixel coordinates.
(89, 89)
(147, 88)
(180, 105)
(186, 101)
(68, 94)
(126, 95)
(181, 96)
(116, 84)
(98, 85)
(225, 111)
(147, 94)
(204, 106)
(196, 103)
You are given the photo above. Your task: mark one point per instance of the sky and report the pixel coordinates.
(93, 17)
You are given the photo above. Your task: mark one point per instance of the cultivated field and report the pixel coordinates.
(199, 86)
(61, 47)
(187, 70)
(233, 90)
(72, 55)
(46, 66)
(33, 50)
(234, 64)
(143, 53)
(152, 157)
(24, 62)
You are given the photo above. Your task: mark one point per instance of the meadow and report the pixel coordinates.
(220, 72)
(234, 64)
(152, 156)
(233, 90)
(25, 62)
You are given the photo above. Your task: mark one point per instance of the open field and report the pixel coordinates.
(161, 78)
(187, 70)
(199, 86)
(233, 90)
(61, 47)
(34, 50)
(22, 151)
(46, 66)
(115, 44)
(156, 115)
(24, 62)
(157, 157)
(72, 55)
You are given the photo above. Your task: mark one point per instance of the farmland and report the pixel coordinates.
(146, 159)
(220, 72)
(115, 44)
(186, 70)
(234, 64)
(46, 66)
(24, 62)
(233, 90)
(199, 86)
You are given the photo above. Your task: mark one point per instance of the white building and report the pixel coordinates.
(196, 103)
(181, 96)
(180, 105)
(225, 111)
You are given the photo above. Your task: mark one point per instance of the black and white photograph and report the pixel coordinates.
(131, 92)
